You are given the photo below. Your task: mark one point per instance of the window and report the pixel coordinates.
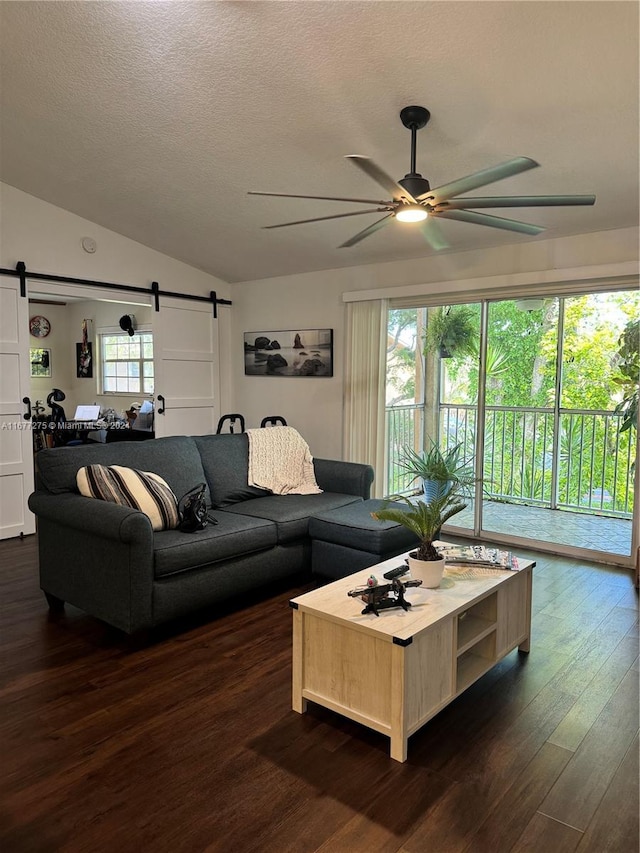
(127, 363)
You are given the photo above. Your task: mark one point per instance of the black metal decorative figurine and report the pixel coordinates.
(383, 596)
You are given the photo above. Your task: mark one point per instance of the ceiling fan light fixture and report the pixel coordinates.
(411, 213)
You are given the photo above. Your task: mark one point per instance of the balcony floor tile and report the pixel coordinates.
(559, 526)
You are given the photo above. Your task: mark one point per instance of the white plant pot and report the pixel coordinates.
(428, 571)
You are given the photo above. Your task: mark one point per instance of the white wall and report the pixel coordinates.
(47, 239)
(314, 300)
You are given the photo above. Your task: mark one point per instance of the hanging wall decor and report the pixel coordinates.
(84, 361)
(302, 352)
(84, 357)
(39, 326)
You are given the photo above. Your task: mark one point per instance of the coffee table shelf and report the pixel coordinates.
(471, 630)
(395, 671)
(475, 661)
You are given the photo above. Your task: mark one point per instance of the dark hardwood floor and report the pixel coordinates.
(189, 743)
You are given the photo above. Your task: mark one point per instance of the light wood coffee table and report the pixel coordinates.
(395, 671)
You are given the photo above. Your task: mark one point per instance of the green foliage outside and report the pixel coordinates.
(629, 374)
(402, 345)
(599, 368)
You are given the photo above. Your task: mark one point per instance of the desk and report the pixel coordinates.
(47, 434)
(98, 428)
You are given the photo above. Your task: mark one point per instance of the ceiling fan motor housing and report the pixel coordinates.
(415, 184)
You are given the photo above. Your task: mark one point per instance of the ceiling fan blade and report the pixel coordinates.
(322, 218)
(325, 198)
(371, 229)
(516, 201)
(480, 179)
(493, 221)
(381, 177)
(433, 235)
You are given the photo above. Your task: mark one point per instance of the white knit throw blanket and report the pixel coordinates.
(280, 461)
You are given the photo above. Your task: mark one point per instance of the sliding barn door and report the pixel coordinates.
(16, 446)
(185, 346)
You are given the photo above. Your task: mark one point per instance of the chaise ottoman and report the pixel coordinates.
(347, 539)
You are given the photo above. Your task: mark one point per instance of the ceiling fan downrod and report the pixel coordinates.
(414, 118)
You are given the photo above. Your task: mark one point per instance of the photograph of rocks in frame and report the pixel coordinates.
(296, 352)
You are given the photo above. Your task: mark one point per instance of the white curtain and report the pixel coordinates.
(365, 377)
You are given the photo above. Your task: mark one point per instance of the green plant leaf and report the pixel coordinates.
(455, 328)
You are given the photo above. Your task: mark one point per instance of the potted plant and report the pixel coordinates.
(439, 470)
(452, 331)
(424, 520)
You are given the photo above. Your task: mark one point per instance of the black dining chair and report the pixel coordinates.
(232, 423)
(273, 420)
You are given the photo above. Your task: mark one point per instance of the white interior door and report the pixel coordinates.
(16, 443)
(186, 365)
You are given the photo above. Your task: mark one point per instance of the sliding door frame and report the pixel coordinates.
(478, 532)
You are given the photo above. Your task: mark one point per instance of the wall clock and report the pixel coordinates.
(39, 326)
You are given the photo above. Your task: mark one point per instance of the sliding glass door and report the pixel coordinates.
(537, 400)
(520, 428)
(558, 466)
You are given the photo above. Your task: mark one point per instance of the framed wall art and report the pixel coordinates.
(295, 352)
(40, 361)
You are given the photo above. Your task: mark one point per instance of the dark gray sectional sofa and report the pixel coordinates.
(106, 559)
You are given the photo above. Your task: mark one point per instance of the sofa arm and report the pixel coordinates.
(347, 478)
(97, 556)
(90, 515)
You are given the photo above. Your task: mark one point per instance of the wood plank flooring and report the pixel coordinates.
(189, 743)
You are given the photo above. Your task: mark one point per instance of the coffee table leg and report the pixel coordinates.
(398, 704)
(298, 702)
(525, 645)
(399, 748)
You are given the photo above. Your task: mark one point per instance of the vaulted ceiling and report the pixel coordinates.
(154, 119)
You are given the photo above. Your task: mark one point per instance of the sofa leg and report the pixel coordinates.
(55, 604)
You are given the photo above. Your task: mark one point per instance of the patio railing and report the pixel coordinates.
(592, 471)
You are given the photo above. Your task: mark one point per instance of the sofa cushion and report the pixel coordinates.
(175, 459)
(140, 490)
(354, 527)
(291, 512)
(225, 459)
(233, 536)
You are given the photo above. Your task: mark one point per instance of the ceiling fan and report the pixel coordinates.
(413, 200)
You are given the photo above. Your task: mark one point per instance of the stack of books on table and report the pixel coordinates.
(479, 555)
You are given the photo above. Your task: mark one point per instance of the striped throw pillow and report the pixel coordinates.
(138, 489)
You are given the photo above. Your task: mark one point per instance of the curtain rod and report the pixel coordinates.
(23, 274)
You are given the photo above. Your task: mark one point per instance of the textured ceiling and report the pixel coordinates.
(154, 119)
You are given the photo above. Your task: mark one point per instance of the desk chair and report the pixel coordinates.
(60, 436)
